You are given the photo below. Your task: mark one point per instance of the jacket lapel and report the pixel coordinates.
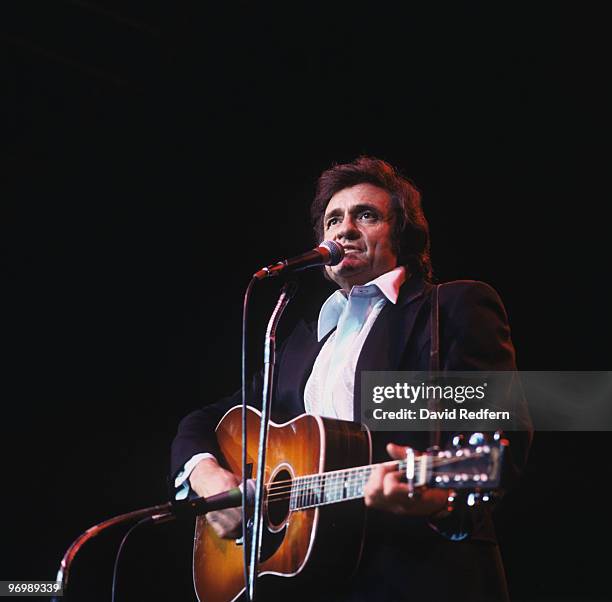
(385, 345)
(298, 359)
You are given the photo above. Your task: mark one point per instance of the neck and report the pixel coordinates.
(346, 284)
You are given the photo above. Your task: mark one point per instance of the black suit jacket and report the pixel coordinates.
(474, 335)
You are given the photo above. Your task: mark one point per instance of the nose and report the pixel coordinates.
(347, 230)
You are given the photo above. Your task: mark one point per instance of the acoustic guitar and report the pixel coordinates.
(314, 515)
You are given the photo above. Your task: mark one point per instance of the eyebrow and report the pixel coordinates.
(354, 209)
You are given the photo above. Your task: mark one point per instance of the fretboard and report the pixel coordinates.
(337, 486)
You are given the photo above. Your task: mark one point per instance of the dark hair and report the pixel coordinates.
(411, 231)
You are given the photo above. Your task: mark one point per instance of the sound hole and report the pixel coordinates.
(279, 489)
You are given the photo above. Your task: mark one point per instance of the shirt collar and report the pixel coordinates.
(388, 283)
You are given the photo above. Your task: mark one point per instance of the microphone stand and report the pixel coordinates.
(287, 293)
(157, 514)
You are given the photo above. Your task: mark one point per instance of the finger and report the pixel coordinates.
(380, 471)
(398, 452)
(392, 484)
(374, 484)
(226, 523)
(389, 465)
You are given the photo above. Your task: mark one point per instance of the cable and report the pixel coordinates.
(141, 522)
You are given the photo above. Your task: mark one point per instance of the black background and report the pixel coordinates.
(156, 156)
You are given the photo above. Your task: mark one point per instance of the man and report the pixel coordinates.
(379, 320)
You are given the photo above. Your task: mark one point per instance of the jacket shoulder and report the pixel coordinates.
(469, 292)
(459, 287)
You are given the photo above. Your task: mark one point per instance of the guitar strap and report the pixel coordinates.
(457, 525)
(434, 358)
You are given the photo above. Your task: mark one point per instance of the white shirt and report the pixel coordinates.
(330, 387)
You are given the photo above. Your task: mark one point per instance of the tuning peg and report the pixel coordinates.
(478, 497)
(450, 500)
(477, 439)
(458, 440)
(489, 496)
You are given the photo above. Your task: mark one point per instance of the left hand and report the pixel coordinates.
(385, 491)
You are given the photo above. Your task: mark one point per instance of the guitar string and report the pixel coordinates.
(436, 463)
(306, 484)
(329, 495)
(328, 490)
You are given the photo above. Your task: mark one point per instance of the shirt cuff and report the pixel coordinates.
(181, 482)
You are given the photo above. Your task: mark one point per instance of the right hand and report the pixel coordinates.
(208, 478)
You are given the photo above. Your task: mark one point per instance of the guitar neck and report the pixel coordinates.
(325, 488)
(461, 469)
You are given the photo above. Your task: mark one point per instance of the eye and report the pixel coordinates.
(368, 215)
(332, 221)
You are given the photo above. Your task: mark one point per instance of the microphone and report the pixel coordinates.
(328, 252)
(220, 501)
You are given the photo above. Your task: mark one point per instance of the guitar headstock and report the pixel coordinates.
(469, 463)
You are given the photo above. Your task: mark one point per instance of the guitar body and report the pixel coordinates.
(305, 543)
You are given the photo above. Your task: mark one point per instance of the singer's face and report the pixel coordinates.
(361, 219)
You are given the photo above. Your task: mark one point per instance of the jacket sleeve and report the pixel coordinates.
(196, 431)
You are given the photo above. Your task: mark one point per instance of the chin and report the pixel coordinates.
(347, 271)
(353, 278)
